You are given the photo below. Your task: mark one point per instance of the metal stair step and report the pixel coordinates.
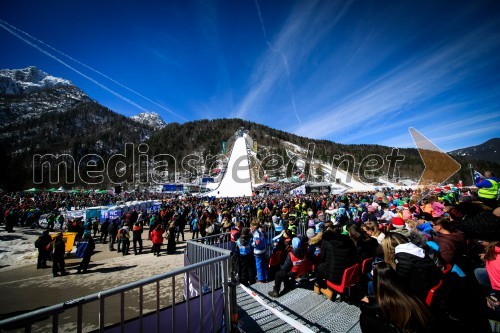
(315, 311)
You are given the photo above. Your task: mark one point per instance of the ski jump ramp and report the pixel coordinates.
(237, 181)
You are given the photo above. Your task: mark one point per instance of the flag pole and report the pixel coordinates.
(471, 168)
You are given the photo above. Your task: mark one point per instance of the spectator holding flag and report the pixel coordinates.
(488, 188)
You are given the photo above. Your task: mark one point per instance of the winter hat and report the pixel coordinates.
(398, 222)
(405, 205)
(296, 242)
(86, 233)
(392, 207)
(396, 196)
(310, 233)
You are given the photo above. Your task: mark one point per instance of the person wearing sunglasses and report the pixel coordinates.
(451, 242)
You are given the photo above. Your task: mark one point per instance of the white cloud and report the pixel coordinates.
(419, 80)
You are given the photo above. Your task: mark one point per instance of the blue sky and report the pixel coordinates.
(346, 71)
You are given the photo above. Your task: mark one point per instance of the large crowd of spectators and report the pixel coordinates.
(449, 238)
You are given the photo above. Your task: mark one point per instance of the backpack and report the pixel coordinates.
(38, 242)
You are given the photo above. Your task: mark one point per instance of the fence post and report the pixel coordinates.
(226, 281)
(233, 308)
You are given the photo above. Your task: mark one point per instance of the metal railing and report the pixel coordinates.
(205, 249)
(270, 233)
(219, 243)
(212, 265)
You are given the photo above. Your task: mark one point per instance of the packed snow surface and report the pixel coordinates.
(236, 181)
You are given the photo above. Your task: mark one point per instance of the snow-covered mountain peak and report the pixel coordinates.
(151, 119)
(28, 80)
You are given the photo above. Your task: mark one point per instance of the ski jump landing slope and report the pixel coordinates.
(236, 181)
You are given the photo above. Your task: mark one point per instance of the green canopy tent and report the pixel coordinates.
(101, 191)
(75, 192)
(32, 190)
(52, 189)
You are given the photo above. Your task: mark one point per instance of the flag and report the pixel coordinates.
(478, 176)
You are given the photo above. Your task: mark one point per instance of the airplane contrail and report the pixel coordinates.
(9, 27)
(285, 62)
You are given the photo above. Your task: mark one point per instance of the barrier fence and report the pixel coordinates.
(195, 298)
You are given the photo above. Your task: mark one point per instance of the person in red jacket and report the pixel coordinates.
(289, 269)
(137, 237)
(157, 239)
(235, 235)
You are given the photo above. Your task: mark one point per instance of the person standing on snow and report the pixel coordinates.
(171, 243)
(104, 231)
(157, 239)
(58, 263)
(87, 246)
(124, 235)
(43, 245)
(95, 226)
(137, 237)
(112, 231)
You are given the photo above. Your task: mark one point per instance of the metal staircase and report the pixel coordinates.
(314, 311)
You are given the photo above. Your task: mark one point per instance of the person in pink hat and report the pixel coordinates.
(406, 212)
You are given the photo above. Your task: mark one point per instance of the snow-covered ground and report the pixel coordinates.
(236, 181)
(348, 179)
(17, 249)
(24, 288)
(386, 183)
